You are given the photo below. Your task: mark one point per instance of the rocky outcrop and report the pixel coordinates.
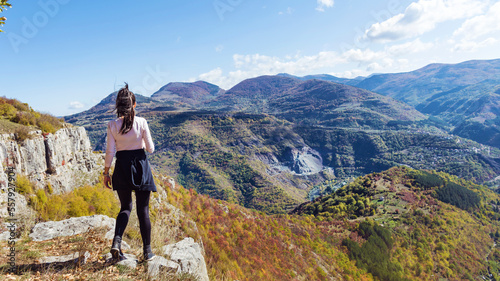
(186, 256)
(64, 159)
(189, 256)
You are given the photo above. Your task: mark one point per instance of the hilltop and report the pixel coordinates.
(314, 102)
(421, 225)
(416, 86)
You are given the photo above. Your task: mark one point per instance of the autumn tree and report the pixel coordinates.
(3, 6)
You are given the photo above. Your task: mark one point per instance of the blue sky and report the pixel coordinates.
(64, 56)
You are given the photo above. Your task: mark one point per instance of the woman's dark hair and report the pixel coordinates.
(125, 101)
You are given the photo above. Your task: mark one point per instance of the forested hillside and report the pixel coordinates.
(414, 224)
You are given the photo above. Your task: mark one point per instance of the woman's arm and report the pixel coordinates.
(110, 153)
(150, 147)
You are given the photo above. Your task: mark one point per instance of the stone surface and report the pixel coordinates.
(64, 159)
(306, 161)
(189, 255)
(20, 208)
(75, 257)
(158, 264)
(128, 260)
(73, 226)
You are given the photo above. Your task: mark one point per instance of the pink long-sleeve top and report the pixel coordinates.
(137, 138)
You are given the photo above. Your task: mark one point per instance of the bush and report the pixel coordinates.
(83, 201)
(49, 123)
(56, 209)
(22, 133)
(24, 118)
(7, 111)
(24, 185)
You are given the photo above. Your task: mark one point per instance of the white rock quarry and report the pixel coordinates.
(306, 161)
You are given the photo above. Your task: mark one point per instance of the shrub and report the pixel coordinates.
(55, 209)
(49, 123)
(24, 118)
(50, 190)
(77, 207)
(24, 185)
(22, 133)
(8, 111)
(83, 201)
(23, 114)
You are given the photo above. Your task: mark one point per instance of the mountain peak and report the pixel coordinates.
(191, 93)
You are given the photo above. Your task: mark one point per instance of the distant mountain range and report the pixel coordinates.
(275, 137)
(314, 101)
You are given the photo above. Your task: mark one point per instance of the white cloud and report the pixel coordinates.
(481, 25)
(423, 16)
(76, 105)
(288, 11)
(362, 56)
(414, 46)
(322, 4)
(219, 48)
(472, 46)
(247, 66)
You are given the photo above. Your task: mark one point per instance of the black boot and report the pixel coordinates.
(148, 253)
(116, 248)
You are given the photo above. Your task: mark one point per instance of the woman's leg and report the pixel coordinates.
(142, 203)
(121, 221)
(126, 207)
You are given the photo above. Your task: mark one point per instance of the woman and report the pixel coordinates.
(128, 135)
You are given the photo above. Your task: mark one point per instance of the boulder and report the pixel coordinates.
(189, 256)
(72, 226)
(128, 260)
(159, 264)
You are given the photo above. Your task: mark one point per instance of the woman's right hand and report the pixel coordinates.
(107, 181)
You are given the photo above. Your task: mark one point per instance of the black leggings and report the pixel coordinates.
(142, 204)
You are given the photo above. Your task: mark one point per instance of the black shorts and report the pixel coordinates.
(132, 171)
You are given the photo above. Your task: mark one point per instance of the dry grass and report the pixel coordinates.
(7, 127)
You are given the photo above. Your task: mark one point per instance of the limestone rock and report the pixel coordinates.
(128, 260)
(158, 264)
(75, 257)
(73, 226)
(63, 159)
(20, 208)
(189, 255)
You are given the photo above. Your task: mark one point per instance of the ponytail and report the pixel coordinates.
(125, 101)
